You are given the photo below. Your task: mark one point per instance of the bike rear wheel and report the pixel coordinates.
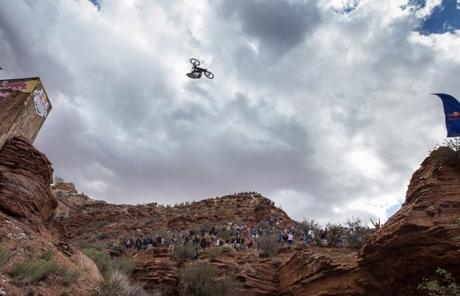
(209, 75)
(195, 62)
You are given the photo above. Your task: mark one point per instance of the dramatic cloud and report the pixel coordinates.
(276, 25)
(322, 106)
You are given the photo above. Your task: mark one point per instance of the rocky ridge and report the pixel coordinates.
(83, 217)
(424, 234)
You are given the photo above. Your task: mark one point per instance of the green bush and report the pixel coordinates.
(36, 270)
(187, 251)
(107, 265)
(224, 233)
(117, 284)
(206, 227)
(102, 236)
(46, 255)
(357, 233)
(118, 250)
(202, 279)
(215, 252)
(124, 265)
(102, 260)
(84, 245)
(68, 276)
(5, 255)
(33, 271)
(334, 234)
(442, 284)
(450, 156)
(312, 225)
(268, 245)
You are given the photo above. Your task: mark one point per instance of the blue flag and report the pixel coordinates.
(452, 112)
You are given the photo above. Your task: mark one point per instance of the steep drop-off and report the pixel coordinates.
(424, 234)
(28, 232)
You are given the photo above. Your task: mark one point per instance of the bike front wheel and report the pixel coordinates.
(209, 75)
(195, 62)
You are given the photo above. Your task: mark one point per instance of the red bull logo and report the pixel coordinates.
(41, 103)
(454, 115)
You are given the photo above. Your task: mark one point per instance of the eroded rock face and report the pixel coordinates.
(321, 271)
(423, 234)
(25, 176)
(157, 269)
(27, 228)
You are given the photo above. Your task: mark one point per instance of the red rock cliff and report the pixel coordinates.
(27, 229)
(25, 176)
(424, 234)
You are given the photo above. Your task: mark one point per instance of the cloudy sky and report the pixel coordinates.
(323, 106)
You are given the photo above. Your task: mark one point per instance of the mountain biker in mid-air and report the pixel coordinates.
(197, 72)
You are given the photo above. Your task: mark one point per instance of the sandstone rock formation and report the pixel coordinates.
(424, 234)
(27, 229)
(25, 174)
(84, 218)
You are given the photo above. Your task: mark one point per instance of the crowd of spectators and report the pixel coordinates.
(244, 237)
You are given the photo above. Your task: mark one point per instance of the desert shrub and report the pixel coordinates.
(107, 265)
(224, 233)
(312, 225)
(215, 252)
(202, 279)
(452, 143)
(309, 224)
(68, 276)
(205, 227)
(101, 223)
(334, 234)
(118, 250)
(356, 234)
(442, 284)
(33, 271)
(36, 270)
(268, 245)
(46, 255)
(450, 156)
(5, 255)
(102, 260)
(117, 284)
(262, 225)
(124, 265)
(187, 251)
(102, 236)
(84, 245)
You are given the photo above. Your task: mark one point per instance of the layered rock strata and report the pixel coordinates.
(28, 232)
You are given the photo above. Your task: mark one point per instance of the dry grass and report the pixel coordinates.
(117, 284)
(5, 255)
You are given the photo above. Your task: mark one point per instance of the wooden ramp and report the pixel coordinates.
(24, 106)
